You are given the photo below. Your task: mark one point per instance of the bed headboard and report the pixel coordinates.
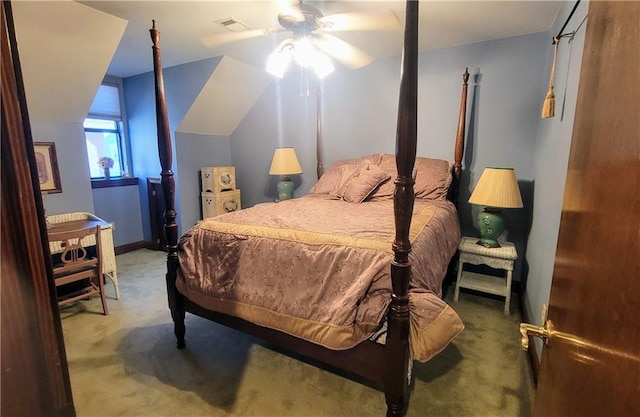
(456, 169)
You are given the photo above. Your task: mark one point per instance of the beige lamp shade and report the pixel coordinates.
(497, 187)
(285, 162)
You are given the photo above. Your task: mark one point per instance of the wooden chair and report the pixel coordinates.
(78, 265)
(109, 267)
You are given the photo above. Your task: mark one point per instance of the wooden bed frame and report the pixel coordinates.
(385, 366)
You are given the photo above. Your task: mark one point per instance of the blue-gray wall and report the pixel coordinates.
(359, 112)
(195, 151)
(550, 159)
(280, 118)
(182, 85)
(120, 205)
(71, 151)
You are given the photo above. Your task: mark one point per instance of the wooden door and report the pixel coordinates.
(35, 377)
(591, 364)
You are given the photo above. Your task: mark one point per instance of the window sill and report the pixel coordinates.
(116, 182)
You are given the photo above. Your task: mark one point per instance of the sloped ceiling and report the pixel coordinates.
(228, 95)
(185, 23)
(65, 49)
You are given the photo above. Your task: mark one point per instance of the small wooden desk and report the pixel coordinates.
(109, 266)
(75, 225)
(54, 247)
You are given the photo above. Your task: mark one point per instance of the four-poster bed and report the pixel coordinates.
(343, 305)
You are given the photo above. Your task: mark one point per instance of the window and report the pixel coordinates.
(104, 130)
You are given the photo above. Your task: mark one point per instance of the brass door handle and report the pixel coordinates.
(543, 333)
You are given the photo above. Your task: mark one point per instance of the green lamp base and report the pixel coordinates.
(285, 189)
(491, 226)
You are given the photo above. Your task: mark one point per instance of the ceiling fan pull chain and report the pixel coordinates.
(304, 81)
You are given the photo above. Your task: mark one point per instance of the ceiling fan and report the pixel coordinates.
(311, 34)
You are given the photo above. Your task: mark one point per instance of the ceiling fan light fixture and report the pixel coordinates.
(280, 59)
(277, 64)
(304, 53)
(322, 66)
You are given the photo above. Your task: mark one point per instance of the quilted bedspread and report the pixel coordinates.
(319, 269)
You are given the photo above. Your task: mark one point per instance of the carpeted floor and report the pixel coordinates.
(126, 364)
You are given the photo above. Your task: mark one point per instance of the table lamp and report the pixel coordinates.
(496, 189)
(285, 163)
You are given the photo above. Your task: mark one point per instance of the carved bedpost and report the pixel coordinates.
(176, 302)
(397, 346)
(459, 148)
(319, 144)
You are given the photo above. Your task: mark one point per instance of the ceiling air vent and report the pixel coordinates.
(232, 24)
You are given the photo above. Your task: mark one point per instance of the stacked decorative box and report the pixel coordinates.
(219, 192)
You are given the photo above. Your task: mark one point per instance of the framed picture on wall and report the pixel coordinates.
(47, 163)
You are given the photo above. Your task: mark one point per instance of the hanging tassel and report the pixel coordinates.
(549, 105)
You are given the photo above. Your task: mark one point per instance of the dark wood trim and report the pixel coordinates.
(35, 375)
(67, 411)
(130, 247)
(116, 182)
(532, 352)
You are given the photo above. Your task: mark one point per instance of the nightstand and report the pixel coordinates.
(497, 258)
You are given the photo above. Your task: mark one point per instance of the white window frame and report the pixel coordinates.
(124, 147)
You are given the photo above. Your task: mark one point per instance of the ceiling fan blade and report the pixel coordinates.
(291, 12)
(218, 39)
(344, 52)
(379, 20)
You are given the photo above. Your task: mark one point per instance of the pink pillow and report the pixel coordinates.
(362, 182)
(346, 171)
(432, 178)
(329, 181)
